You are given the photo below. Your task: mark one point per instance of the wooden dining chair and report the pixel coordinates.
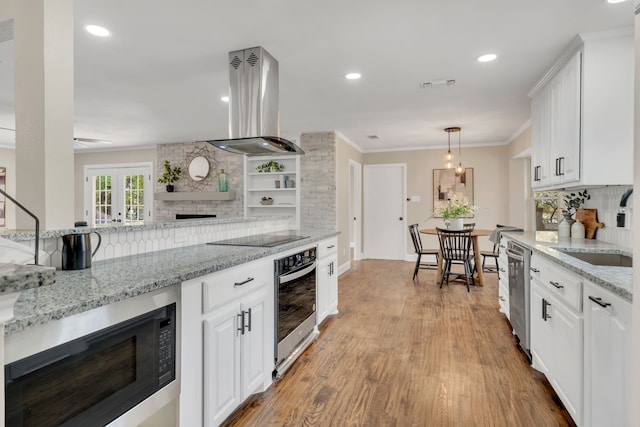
(455, 248)
(495, 254)
(417, 245)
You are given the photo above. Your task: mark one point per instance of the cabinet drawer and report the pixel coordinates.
(223, 286)
(562, 283)
(327, 247)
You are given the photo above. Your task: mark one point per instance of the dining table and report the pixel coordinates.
(475, 233)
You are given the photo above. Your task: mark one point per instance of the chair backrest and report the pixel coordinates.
(469, 226)
(415, 236)
(455, 245)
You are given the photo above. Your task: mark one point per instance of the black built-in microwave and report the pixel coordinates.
(92, 380)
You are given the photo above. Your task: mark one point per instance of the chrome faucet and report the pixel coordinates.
(620, 218)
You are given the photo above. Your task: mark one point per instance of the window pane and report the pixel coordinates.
(547, 214)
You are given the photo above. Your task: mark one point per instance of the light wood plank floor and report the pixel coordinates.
(404, 353)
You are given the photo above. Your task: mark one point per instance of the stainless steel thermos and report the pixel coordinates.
(76, 251)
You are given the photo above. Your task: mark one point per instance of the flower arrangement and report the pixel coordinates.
(456, 209)
(573, 202)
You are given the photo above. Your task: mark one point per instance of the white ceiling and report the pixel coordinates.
(160, 76)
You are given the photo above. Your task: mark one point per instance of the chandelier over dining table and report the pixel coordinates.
(449, 157)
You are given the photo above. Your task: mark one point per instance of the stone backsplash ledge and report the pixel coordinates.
(122, 241)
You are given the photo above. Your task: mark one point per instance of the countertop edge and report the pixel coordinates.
(42, 305)
(618, 280)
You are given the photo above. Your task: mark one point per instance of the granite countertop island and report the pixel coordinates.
(114, 280)
(618, 280)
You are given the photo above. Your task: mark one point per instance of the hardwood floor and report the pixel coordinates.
(404, 353)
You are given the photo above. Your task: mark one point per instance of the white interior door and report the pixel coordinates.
(384, 211)
(116, 194)
(355, 208)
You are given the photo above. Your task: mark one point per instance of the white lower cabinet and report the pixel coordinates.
(607, 361)
(556, 326)
(227, 341)
(234, 348)
(327, 279)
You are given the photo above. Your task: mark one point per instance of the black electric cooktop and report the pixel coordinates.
(266, 240)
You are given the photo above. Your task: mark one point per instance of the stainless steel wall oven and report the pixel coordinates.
(94, 379)
(295, 281)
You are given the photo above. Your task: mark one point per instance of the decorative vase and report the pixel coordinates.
(577, 230)
(564, 229)
(170, 188)
(223, 184)
(456, 224)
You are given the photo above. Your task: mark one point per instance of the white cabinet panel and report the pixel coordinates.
(607, 358)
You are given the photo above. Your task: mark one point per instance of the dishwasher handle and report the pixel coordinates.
(514, 255)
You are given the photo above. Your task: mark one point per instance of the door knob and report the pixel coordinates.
(400, 218)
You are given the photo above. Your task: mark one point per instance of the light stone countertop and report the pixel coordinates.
(618, 280)
(114, 280)
(17, 277)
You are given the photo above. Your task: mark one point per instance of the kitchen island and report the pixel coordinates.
(86, 302)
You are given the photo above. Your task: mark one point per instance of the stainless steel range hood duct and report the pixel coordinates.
(254, 116)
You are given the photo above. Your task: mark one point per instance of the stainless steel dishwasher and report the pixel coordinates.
(519, 260)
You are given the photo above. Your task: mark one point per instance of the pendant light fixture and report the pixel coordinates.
(460, 168)
(448, 158)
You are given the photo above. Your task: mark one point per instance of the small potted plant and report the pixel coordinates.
(266, 200)
(170, 175)
(270, 166)
(455, 211)
(572, 202)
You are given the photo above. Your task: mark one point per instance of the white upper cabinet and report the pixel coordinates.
(582, 115)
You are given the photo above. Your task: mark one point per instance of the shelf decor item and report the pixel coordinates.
(266, 201)
(573, 202)
(270, 166)
(170, 175)
(223, 183)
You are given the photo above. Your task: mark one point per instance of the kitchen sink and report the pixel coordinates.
(598, 258)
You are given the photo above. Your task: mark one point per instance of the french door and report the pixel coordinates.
(115, 194)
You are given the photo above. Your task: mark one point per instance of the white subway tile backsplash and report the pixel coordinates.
(607, 201)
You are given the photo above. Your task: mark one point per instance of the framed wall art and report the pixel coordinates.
(447, 184)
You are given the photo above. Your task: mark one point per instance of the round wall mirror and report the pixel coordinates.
(198, 168)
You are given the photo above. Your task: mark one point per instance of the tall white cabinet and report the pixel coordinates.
(282, 186)
(327, 279)
(582, 115)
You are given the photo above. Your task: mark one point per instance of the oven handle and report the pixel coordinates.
(285, 278)
(514, 255)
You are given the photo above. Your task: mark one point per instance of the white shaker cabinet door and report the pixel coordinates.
(541, 329)
(254, 344)
(607, 358)
(221, 365)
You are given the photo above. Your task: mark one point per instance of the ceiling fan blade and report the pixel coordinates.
(92, 140)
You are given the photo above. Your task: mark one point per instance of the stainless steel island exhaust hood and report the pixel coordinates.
(254, 116)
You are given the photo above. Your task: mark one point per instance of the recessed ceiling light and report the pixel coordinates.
(224, 99)
(352, 76)
(97, 30)
(614, 1)
(487, 58)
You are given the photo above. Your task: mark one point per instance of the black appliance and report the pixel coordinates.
(295, 314)
(266, 240)
(94, 379)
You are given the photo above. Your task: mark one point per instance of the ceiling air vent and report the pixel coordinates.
(437, 83)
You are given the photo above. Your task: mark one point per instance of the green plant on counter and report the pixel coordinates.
(573, 202)
(270, 166)
(171, 174)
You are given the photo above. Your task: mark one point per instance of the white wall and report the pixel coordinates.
(491, 190)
